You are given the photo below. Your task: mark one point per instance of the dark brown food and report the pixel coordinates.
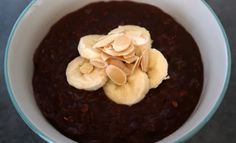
(90, 117)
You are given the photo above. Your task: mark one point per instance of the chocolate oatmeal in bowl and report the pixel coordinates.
(117, 72)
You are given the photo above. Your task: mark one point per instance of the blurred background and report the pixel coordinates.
(221, 128)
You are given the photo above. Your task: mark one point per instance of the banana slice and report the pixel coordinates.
(130, 93)
(82, 75)
(86, 49)
(157, 69)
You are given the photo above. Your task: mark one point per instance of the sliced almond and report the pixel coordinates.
(121, 58)
(105, 56)
(110, 52)
(99, 63)
(108, 47)
(145, 60)
(116, 75)
(127, 51)
(120, 65)
(106, 40)
(86, 68)
(121, 43)
(131, 60)
(134, 66)
(132, 54)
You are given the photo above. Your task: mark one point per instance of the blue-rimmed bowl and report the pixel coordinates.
(33, 24)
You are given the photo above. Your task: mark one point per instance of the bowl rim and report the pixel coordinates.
(188, 135)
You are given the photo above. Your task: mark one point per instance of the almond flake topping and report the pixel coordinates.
(121, 43)
(145, 60)
(116, 75)
(99, 63)
(122, 51)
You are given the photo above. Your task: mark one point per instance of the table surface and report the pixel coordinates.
(221, 128)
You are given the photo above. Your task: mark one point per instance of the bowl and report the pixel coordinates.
(34, 23)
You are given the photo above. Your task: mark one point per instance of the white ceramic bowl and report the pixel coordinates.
(33, 24)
